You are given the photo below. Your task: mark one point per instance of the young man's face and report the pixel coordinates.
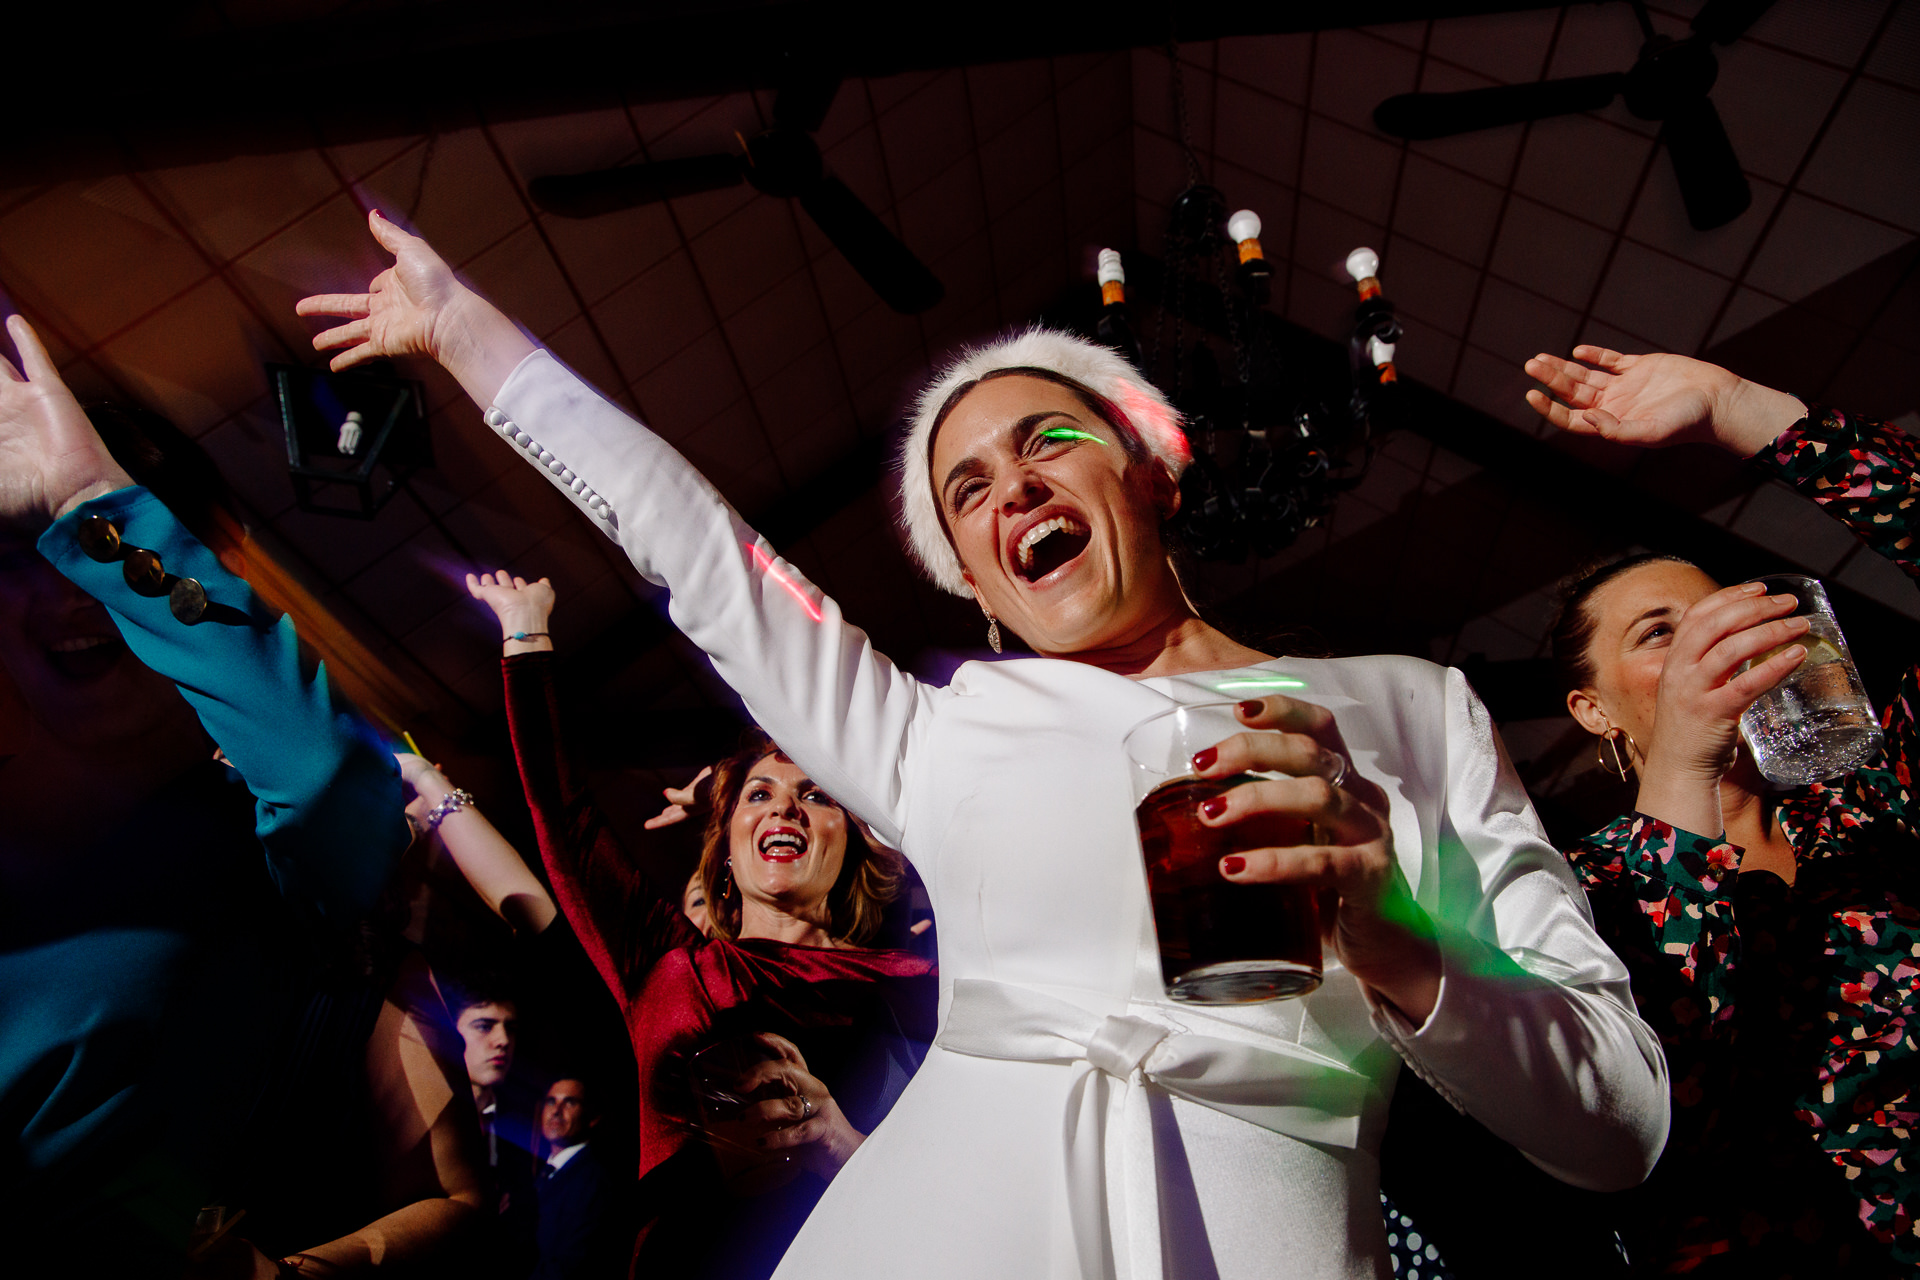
(489, 1031)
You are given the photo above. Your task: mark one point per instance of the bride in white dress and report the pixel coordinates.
(1070, 1120)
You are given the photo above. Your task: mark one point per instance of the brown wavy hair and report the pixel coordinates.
(870, 875)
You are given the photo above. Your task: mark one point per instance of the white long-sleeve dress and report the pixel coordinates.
(1070, 1121)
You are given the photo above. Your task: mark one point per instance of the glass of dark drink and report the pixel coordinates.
(717, 1074)
(1220, 942)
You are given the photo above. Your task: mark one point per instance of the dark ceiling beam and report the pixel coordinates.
(150, 88)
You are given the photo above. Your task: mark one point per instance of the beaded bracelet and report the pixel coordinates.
(526, 635)
(452, 802)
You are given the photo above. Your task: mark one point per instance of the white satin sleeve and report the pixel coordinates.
(810, 679)
(1534, 1033)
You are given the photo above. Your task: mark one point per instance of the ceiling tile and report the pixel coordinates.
(1897, 56)
(767, 333)
(1877, 380)
(519, 276)
(888, 90)
(1583, 164)
(197, 360)
(1003, 92)
(591, 610)
(411, 583)
(1498, 385)
(1659, 219)
(848, 112)
(926, 134)
(233, 204)
(467, 456)
(1747, 309)
(807, 454)
(1032, 230)
(1352, 170)
(947, 210)
(1317, 302)
(328, 251)
(1354, 72)
(657, 121)
(1258, 132)
(1772, 104)
(696, 384)
(602, 253)
(967, 272)
(695, 214)
(1595, 39)
(878, 343)
(1012, 166)
(1429, 285)
(1484, 153)
(1152, 78)
(1814, 244)
(1664, 301)
(808, 389)
(1275, 65)
(356, 160)
(100, 254)
(462, 637)
(858, 161)
(573, 143)
(1426, 354)
(742, 257)
(250, 449)
(1447, 209)
(1549, 252)
(1326, 236)
(1873, 576)
(452, 191)
(1509, 47)
(1835, 30)
(1867, 159)
(340, 547)
(726, 449)
(1513, 324)
(656, 315)
(1095, 109)
(1096, 191)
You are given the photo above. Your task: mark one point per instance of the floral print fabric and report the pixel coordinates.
(1787, 1012)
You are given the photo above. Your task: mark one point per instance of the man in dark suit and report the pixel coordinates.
(580, 1221)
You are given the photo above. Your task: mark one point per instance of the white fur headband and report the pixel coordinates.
(1101, 370)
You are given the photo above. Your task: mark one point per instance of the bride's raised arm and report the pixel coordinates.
(811, 679)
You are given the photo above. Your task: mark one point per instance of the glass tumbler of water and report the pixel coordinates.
(1220, 942)
(1817, 723)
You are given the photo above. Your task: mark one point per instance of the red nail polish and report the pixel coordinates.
(1251, 708)
(1233, 865)
(1213, 806)
(1203, 760)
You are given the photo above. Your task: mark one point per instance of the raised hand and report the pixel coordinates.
(682, 802)
(520, 605)
(418, 307)
(1658, 399)
(51, 459)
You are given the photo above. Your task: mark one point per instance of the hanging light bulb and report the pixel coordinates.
(1114, 328)
(1255, 274)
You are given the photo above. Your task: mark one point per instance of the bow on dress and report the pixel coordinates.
(1278, 1086)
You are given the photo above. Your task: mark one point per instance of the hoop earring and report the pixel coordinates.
(1611, 740)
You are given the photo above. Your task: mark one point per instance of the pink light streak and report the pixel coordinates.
(772, 570)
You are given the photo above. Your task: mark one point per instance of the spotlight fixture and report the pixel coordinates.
(361, 431)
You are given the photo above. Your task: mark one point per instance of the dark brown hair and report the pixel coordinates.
(870, 877)
(1571, 630)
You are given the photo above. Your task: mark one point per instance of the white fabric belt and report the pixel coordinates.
(1278, 1086)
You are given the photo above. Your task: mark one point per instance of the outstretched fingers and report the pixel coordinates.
(34, 360)
(1605, 357)
(334, 304)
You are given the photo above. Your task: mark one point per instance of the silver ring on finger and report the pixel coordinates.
(1340, 770)
(806, 1108)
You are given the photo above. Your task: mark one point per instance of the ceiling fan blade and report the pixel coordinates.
(1711, 183)
(902, 280)
(588, 195)
(1441, 115)
(1724, 21)
(802, 103)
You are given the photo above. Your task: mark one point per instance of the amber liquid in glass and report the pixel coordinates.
(1221, 943)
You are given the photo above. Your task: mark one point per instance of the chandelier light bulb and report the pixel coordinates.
(1244, 225)
(1363, 264)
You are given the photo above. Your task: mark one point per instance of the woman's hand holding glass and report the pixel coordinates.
(806, 1120)
(1367, 913)
(1702, 693)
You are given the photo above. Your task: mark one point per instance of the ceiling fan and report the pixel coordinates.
(1668, 83)
(782, 161)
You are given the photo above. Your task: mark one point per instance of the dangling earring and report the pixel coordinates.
(726, 880)
(993, 628)
(1618, 767)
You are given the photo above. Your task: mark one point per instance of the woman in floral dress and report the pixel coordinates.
(1772, 934)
